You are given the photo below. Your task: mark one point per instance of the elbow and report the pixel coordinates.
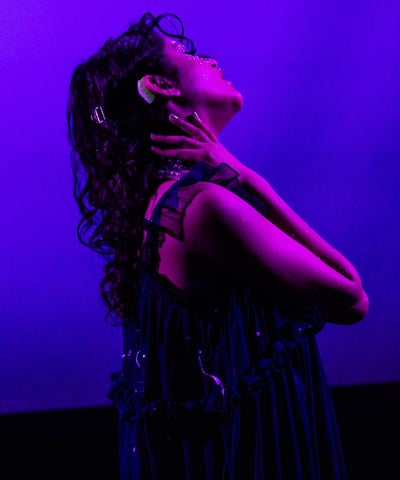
(349, 314)
(360, 309)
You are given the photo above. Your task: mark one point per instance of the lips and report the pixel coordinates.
(221, 72)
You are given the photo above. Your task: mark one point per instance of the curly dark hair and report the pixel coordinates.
(112, 163)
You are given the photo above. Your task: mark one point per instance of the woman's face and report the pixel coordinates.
(201, 81)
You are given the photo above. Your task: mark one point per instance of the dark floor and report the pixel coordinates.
(369, 422)
(82, 444)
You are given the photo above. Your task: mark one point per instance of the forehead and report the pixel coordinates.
(173, 46)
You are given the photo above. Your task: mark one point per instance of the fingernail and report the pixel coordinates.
(173, 117)
(196, 116)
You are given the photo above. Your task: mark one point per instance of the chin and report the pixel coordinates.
(235, 100)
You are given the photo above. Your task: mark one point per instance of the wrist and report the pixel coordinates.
(245, 174)
(254, 183)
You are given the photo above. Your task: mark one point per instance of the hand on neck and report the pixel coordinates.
(214, 122)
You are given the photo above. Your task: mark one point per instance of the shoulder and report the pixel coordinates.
(213, 202)
(218, 220)
(211, 197)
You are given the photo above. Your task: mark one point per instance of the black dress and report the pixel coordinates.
(217, 382)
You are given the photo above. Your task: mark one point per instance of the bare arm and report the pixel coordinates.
(222, 227)
(289, 222)
(282, 249)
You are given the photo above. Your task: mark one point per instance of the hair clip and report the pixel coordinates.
(98, 115)
(144, 92)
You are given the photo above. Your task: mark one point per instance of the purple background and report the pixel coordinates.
(320, 122)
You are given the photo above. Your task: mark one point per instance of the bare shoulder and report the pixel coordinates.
(212, 197)
(222, 226)
(214, 205)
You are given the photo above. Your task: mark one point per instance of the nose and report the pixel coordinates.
(210, 60)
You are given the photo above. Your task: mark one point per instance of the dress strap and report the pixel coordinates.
(168, 214)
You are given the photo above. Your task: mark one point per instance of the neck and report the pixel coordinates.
(215, 121)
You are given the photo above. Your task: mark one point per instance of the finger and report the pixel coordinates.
(195, 118)
(193, 130)
(175, 140)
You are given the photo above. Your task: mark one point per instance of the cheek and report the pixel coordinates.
(206, 81)
(199, 84)
(198, 77)
(202, 81)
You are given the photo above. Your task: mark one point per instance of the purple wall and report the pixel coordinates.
(320, 121)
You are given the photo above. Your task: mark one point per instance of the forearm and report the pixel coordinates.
(289, 222)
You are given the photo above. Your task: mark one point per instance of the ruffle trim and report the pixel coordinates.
(176, 199)
(134, 408)
(218, 402)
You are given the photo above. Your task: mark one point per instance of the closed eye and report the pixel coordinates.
(207, 57)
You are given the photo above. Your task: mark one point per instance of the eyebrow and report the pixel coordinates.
(207, 56)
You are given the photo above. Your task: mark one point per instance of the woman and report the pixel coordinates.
(219, 285)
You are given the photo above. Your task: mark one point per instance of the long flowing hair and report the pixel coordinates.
(109, 126)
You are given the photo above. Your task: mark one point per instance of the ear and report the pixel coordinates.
(161, 86)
